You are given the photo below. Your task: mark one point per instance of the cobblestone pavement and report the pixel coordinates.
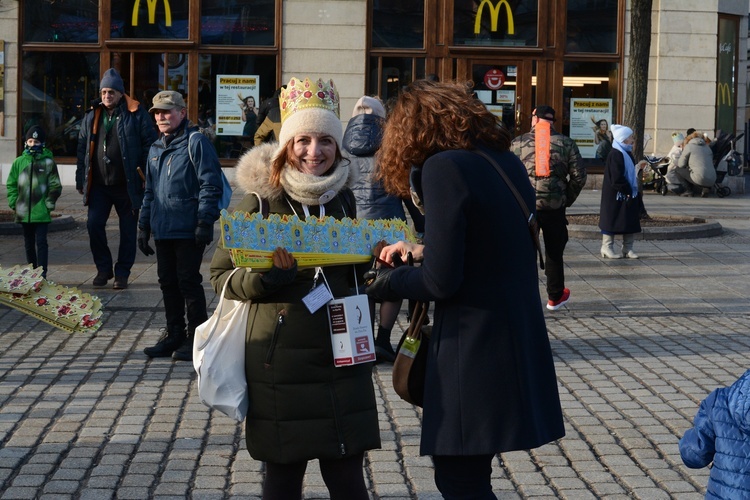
(637, 348)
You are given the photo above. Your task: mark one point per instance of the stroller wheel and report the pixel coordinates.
(664, 190)
(723, 191)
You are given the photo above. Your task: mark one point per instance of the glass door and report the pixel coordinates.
(504, 86)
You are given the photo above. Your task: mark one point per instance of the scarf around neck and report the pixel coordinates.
(629, 167)
(311, 189)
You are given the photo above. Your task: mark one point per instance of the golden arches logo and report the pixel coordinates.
(494, 14)
(724, 94)
(152, 12)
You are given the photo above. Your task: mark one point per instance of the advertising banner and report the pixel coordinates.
(237, 99)
(590, 121)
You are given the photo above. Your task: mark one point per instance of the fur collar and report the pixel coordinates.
(254, 169)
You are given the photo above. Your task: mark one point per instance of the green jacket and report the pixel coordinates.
(567, 173)
(33, 186)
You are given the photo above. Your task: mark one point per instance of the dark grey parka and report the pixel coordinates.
(301, 406)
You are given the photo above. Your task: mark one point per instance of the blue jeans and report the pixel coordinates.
(101, 200)
(178, 265)
(35, 244)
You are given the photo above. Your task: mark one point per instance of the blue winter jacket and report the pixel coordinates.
(180, 192)
(721, 433)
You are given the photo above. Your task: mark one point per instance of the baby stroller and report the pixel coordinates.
(654, 173)
(726, 160)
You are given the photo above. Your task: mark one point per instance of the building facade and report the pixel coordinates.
(226, 56)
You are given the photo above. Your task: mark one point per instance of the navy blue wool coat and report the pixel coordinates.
(491, 384)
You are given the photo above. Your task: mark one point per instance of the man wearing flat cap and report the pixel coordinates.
(557, 174)
(113, 143)
(180, 206)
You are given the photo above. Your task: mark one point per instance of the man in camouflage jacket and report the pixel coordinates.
(554, 192)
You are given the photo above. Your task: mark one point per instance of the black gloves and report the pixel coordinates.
(143, 236)
(204, 233)
(380, 287)
(277, 277)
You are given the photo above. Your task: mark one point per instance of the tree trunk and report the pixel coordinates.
(637, 86)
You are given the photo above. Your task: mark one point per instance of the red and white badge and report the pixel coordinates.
(494, 79)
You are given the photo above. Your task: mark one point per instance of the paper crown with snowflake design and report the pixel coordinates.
(309, 107)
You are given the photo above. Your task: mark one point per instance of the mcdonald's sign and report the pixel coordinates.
(724, 94)
(494, 14)
(152, 12)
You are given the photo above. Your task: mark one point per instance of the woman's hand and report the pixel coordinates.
(284, 269)
(402, 248)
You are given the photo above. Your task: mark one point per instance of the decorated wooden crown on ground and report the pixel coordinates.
(326, 241)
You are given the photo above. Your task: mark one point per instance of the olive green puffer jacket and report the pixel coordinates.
(301, 406)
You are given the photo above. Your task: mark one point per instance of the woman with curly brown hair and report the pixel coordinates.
(490, 382)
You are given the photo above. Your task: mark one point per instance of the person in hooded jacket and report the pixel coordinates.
(490, 384)
(302, 407)
(695, 167)
(721, 434)
(33, 187)
(621, 206)
(361, 141)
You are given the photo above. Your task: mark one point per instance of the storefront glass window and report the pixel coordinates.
(244, 22)
(495, 23)
(73, 21)
(394, 73)
(230, 93)
(398, 24)
(164, 19)
(726, 91)
(592, 26)
(590, 100)
(57, 89)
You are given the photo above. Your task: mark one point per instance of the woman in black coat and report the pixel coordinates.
(621, 203)
(490, 382)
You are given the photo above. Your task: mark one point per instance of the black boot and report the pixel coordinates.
(185, 351)
(172, 337)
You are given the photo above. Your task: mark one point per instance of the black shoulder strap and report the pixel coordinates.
(530, 218)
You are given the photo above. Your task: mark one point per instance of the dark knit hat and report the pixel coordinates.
(545, 112)
(36, 132)
(112, 80)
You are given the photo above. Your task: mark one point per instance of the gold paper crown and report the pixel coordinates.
(304, 94)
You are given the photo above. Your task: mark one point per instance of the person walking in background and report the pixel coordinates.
(33, 187)
(721, 436)
(113, 143)
(302, 407)
(557, 175)
(620, 207)
(695, 167)
(181, 204)
(269, 119)
(361, 140)
(490, 384)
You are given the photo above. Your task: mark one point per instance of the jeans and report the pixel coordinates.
(554, 227)
(178, 264)
(464, 477)
(35, 244)
(101, 200)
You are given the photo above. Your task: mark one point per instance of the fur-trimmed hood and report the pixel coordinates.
(253, 172)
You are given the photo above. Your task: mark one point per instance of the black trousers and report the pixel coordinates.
(464, 477)
(35, 244)
(178, 265)
(344, 479)
(554, 227)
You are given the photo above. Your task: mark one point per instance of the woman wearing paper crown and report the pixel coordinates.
(490, 382)
(302, 407)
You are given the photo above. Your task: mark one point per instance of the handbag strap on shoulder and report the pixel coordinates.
(530, 217)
